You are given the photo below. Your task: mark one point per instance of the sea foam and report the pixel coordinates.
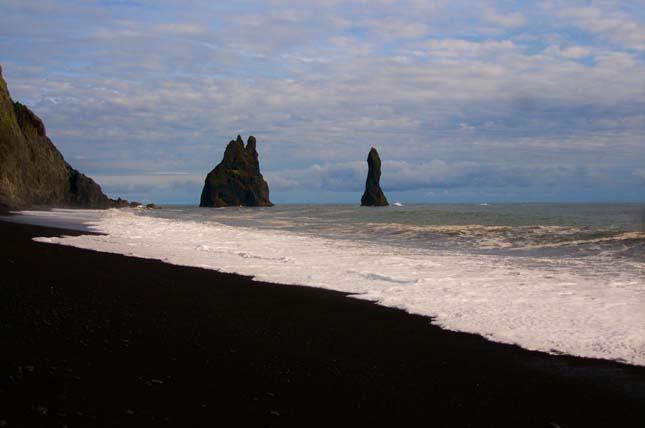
(553, 305)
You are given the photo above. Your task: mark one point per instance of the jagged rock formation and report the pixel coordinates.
(237, 180)
(32, 171)
(373, 196)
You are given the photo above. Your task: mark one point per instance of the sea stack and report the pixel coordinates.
(237, 180)
(373, 196)
(33, 173)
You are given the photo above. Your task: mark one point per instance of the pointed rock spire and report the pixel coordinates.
(237, 180)
(373, 196)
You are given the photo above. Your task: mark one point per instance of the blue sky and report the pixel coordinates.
(503, 101)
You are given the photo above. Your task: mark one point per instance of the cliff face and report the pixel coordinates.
(32, 171)
(237, 180)
(373, 196)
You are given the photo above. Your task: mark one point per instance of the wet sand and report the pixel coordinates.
(100, 340)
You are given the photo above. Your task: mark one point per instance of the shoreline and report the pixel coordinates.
(130, 342)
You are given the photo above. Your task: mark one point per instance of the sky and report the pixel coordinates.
(466, 101)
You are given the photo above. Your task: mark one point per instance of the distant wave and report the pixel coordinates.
(508, 237)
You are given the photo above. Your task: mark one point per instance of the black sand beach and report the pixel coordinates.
(98, 340)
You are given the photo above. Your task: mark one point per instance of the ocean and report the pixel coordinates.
(559, 278)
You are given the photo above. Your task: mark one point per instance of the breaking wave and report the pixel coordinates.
(587, 306)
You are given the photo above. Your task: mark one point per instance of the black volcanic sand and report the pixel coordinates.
(98, 340)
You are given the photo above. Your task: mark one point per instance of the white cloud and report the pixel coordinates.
(402, 176)
(607, 21)
(573, 52)
(511, 20)
(152, 188)
(338, 177)
(181, 29)
(394, 28)
(162, 180)
(459, 48)
(640, 173)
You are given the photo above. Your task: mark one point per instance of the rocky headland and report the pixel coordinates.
(373, 196)
(237, 180)
(33, 173)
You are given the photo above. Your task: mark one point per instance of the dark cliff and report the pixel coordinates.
(32, 171)
(237, 180)
(373, 196)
